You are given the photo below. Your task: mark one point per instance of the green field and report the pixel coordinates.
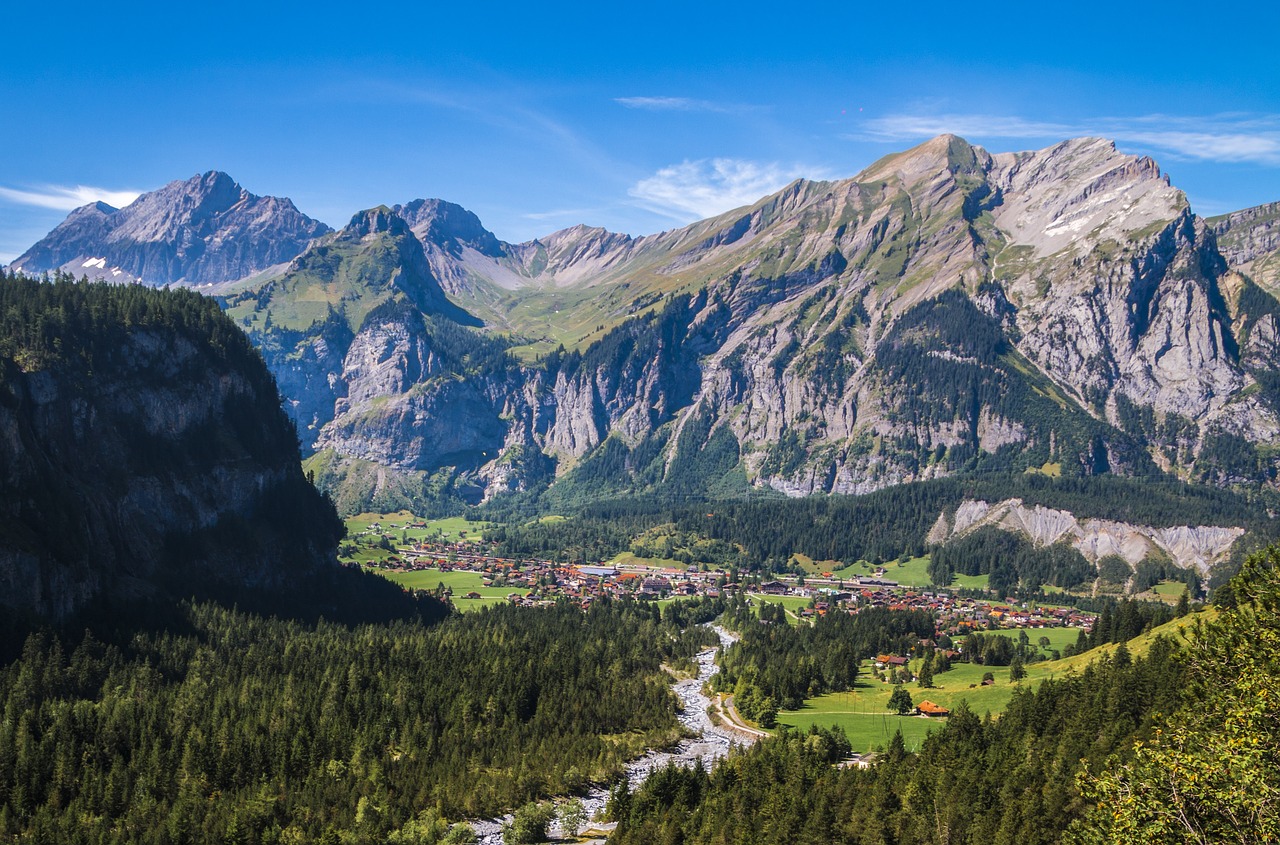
(1170, 591)
(910, 573)
(859, 712)
(791, 604)
(628, 559)
(867, 725)
(1059, 638)
(394, 525)
(460, 582)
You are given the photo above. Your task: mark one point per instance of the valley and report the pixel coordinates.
(932, 504)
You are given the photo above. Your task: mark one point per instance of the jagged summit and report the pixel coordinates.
(450, 227)
(374, 221)
(202, 230)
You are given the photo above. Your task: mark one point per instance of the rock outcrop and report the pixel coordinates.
(1250, 242)
(1189, 547)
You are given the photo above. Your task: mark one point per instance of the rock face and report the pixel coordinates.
(1250, 242)
(1188, 547)
(945, 311)
(145, 454)
(204, 230)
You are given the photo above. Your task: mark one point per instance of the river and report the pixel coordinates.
(709, 743)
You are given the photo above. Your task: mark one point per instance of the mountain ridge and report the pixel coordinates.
(202, 230)
(946, 310)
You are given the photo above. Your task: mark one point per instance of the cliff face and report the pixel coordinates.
(947, 310)
(204, 230)
(144, 453)
(1250, 242)
(1189, 547)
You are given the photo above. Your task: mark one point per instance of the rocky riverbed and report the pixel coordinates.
(709, 744)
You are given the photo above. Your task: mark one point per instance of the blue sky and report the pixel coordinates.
(636, 117)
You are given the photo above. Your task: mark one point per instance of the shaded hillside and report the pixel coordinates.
(143, 456)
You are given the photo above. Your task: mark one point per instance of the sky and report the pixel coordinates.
(635, 117)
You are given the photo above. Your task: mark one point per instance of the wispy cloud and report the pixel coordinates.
(65, 199)
(674, 104)
(1233, 138)
(693, 190)
(558, 214)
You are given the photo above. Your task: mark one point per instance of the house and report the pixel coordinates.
(928, 708)
(774, 588)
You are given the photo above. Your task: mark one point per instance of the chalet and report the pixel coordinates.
(473, 595)
(655, 586)
(928, 708)
(774, 588)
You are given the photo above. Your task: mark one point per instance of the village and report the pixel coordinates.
(532, 582)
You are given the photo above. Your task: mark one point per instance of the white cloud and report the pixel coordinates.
(557, 214)
(1232, 138)
(900, 126)
(669, 104)
(65, 199)
(693, 190)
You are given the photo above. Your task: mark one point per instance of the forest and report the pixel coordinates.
(241, 728)
(776, 666)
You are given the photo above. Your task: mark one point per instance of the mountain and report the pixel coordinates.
(946, 311)
(1250, 242)
(204, 230)
(144, 454)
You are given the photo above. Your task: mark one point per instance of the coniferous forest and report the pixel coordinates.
(246, 729)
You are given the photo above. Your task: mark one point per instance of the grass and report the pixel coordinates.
(867, 726)
(393, 524)
(461, 582)
(864, 715)
(910, 573)
(628, 559)
(1059, 638)
(790, 604)
(1169, 591)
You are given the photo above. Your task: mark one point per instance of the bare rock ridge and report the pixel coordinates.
(1250, 242)
(204, 230)
(1188, 547)
(947, 310)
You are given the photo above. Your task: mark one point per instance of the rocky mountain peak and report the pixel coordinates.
(201, 230)
(449, 226)
(1079, 190)
(374, 221)
(948, 155)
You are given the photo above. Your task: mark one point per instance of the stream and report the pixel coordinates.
(709, 744)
